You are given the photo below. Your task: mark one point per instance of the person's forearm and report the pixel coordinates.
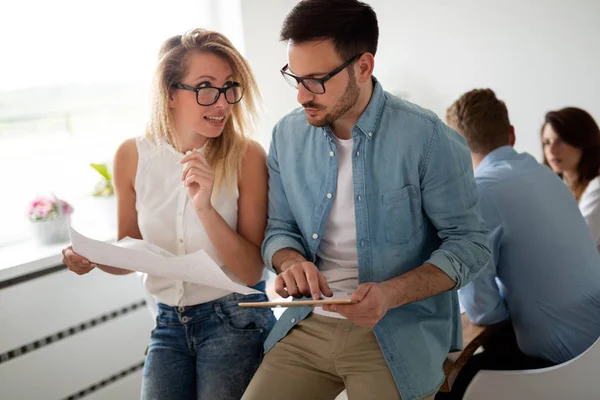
(418, 284)
(241, 256)
(285, 258)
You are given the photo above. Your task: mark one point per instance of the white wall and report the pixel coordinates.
(537, 55)
(261, 21)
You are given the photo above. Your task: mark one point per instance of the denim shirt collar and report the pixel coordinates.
(498, 154)
(370, 118)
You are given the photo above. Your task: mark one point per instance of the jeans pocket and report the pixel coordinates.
(244, 320)
(156, 322)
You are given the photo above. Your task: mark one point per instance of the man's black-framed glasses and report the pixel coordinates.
(208, 95)
(314, 85)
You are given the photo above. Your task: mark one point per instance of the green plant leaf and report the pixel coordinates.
(102, 170)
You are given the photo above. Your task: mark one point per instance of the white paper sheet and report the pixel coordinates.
(141, 256)
(142, 245)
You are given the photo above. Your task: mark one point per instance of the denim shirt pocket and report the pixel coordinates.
(402, 212)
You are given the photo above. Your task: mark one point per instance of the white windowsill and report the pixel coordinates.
(28, 256)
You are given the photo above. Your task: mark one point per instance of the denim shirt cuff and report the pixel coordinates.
(444, 261)
(277, 243)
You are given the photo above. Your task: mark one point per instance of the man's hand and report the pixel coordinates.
(301, 279)
(371, 307)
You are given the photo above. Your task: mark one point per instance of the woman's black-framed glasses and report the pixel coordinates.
(208, 95)
(314, 85)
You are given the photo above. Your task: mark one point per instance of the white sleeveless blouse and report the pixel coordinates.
(167, 218)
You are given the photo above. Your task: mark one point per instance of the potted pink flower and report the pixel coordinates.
(50, 217)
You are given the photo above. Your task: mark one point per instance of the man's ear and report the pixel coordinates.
(365, 66)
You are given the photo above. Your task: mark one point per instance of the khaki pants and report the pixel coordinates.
(318, 359)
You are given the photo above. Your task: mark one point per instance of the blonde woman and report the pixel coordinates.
(195, 181)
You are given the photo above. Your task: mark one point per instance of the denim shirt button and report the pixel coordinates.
(359, 198)
(329, 195)
(331, 154)
(370, 134)
(315, 236)
(293, 320)
(362, 243)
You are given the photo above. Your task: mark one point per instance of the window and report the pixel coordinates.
(74, 83)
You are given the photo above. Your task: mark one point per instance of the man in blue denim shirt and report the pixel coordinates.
(370, 197)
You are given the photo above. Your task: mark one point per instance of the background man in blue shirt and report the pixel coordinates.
(372, 197)
(544, 275)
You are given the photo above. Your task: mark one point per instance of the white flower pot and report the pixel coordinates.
(51, 231)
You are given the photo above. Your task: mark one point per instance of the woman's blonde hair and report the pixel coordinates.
(225, 152)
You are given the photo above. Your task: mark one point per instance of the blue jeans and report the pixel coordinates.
(207, 351)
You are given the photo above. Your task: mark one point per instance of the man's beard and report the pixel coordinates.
(345, 103)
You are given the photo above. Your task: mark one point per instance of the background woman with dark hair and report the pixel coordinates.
(571, 143)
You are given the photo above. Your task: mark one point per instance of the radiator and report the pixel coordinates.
(64, 336)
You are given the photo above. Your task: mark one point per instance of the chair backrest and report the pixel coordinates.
(577, 379)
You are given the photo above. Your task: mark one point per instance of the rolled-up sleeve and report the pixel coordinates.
(481, 298)
(450, 201)
(282, 229)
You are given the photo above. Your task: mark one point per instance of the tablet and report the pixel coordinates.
(298, 303)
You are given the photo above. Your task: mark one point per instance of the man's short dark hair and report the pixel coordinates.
(482, 119)
(350, 24)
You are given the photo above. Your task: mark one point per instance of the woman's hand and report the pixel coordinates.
(76, 263)
(199, 178)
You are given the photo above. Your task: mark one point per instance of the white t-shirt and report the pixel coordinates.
(337, 256)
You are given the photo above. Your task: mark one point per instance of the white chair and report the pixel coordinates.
(577, 379)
